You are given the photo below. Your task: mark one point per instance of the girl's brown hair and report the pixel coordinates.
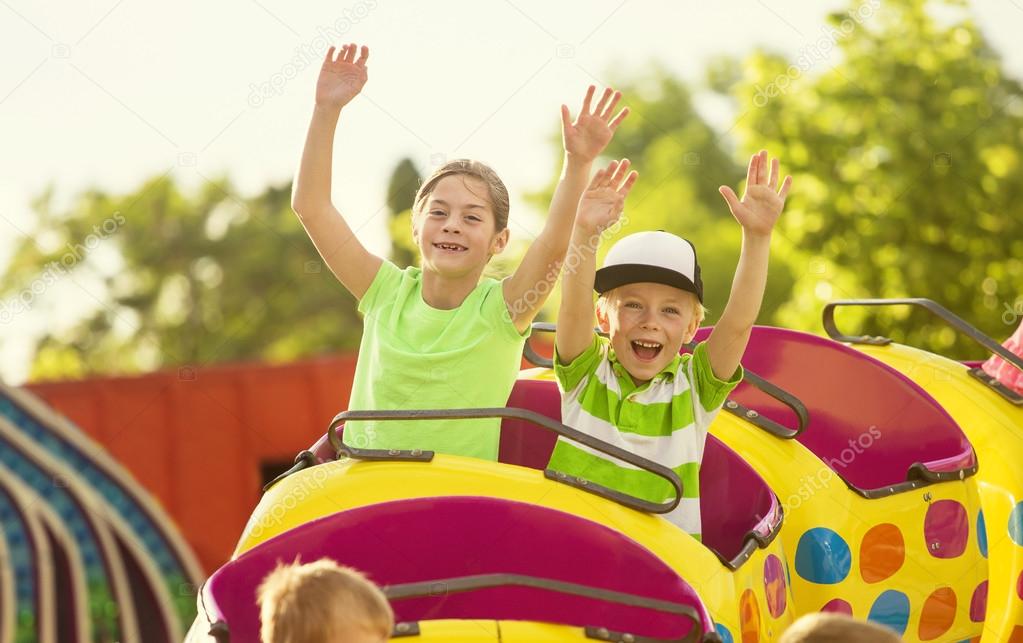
(498, 196)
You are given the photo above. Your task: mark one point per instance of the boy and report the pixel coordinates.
(634, 390)
(322, 602)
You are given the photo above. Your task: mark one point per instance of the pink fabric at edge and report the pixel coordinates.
(1004, 372)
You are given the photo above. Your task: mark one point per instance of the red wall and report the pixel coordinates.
(195, 439)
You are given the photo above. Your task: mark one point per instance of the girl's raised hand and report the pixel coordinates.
(603, 201)
(341, 79)
(592, 130)
(763, 201)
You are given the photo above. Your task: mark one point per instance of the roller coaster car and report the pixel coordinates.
(509, 545)
(991, 415)
(879, 489)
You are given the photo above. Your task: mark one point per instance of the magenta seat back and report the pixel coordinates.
(868, 422)
(321, 448)
(523, 443)
(427, 539)
(735, 500)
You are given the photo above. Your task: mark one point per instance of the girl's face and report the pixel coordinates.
(455, 229)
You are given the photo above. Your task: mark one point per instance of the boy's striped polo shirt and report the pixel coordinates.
(664, 420)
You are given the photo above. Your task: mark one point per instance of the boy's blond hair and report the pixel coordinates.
(836, 628)
(320, 601)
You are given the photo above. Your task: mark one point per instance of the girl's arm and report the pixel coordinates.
(339, 82)
(599, 207)
(527, 289)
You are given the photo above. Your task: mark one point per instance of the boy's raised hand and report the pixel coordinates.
(762, 203)
(604, 199)
(341, 79)
(592, 130)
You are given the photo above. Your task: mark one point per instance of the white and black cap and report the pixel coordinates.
(655, 256)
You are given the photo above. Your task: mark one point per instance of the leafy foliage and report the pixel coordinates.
(906, 158)
(196, 279)
(401, 193)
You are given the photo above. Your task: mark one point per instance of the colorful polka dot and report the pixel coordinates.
(838, 606)
(946, 529)
(749, 617)
(1016, 524)
(882, 552)
(938, 613)
(1019, 586)
(822, 556)
(774, 585)
(726, 636)
(891, 609)
(981, 534)
(978, 603)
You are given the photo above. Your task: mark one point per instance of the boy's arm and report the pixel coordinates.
(339, 82)
(599, 207)
(757, 213)
(584, 140)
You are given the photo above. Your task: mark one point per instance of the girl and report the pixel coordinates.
(438, 336)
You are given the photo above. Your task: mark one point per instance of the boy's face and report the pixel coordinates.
(648, 323)
(455, 229)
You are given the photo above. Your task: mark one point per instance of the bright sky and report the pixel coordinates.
(106, 93)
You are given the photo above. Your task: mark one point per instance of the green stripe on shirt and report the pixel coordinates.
(601, 399)
(634, 482)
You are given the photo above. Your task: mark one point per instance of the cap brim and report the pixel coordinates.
(611, 277)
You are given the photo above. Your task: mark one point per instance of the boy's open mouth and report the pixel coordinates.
(450, 247)
(646, 350)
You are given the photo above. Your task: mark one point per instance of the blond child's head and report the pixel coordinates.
(836, 628)
(651, 300)
(322, 602)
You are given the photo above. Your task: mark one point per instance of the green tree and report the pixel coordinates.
(401, 192)
(906, 159)
(171, 279)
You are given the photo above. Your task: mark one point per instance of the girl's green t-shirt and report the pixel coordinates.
(413, 356)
